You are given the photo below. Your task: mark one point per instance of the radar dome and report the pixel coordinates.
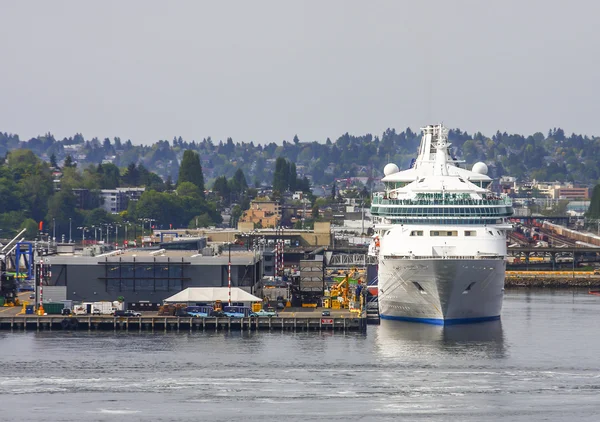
(390, 168)
(480, 168)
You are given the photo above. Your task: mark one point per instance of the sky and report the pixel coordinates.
(264, 71)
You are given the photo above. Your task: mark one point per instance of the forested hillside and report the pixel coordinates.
(551, 156)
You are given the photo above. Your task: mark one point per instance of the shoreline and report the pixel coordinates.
(550, 283)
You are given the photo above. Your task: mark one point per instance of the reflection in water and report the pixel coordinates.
(395, 338)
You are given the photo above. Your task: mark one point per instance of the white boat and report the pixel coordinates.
(441, 238)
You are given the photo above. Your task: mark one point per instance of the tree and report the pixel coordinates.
(169, 183)
(69, 162)
(333, 191)
(239, 184)
(315, 212)
(53, 162)
(203, 220)
(594, 209)
(280, 177)
(131, 177)
(190, 170)
(221, 188)
(31, 226)
(188, 189)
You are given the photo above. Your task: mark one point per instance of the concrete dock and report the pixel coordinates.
(161, 323)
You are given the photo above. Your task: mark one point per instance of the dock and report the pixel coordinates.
(180, 324)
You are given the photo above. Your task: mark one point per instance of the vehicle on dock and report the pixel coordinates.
(199, 311)
(236, 311)
(264, 313)
(127, 314)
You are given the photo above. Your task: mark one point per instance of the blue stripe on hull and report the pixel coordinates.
(439, 321)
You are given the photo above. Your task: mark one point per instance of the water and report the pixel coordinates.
(541, 362)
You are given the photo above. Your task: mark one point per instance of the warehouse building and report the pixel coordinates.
(143, 276)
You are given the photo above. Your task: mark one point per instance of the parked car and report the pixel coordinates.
(127, 314)
(326, 313)
(264, 313)
(32, 296)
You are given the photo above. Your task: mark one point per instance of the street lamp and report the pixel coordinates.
(83, 230)
(53, 230)
(70, 237)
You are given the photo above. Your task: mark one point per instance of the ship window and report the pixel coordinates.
(434, 233)
(470, 233)
(416, 233)
(491, 234)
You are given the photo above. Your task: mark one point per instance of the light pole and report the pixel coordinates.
(53, 230)
(83, 230)
(70, 237)
(229, 274)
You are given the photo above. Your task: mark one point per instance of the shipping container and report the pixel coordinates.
(53, 308)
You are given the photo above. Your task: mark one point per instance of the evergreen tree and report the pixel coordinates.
(594, 209)
(239, 184)
(53, 162)
(280, 176)
(333, 191)
(190, 170)
(169, 184)
(132, 175)
(293, 177)
(221, 188)
(69, 162)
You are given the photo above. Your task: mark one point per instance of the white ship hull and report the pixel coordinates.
(441, 291)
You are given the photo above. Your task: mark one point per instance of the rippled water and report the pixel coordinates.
(541, 362)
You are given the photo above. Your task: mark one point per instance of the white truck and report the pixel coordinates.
(102, 308)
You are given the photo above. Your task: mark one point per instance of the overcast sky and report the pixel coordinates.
(263, 71)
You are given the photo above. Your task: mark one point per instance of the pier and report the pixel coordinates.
(179, 324)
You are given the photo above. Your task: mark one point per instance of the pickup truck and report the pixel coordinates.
(263, 313)
(127, 314)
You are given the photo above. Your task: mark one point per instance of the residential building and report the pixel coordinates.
(117, 200)
(263, 212)
(571, 193)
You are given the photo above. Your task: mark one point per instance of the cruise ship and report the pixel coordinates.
(440, 238)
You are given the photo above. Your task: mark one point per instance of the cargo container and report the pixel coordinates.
(53, 308)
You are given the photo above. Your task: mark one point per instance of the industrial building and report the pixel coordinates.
(145, 276)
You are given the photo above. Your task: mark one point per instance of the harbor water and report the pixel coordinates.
(540, 362)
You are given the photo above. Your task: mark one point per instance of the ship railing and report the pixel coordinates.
(378, 200)
(459, 257)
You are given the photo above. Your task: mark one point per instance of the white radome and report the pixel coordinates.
(390, 168)
(480, 168)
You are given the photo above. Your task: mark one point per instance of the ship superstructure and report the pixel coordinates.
(442, 238)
